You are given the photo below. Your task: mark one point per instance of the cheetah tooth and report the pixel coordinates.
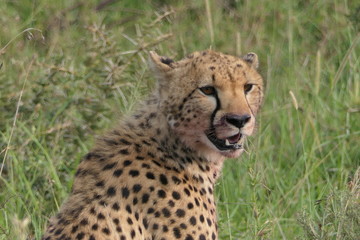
(227, 142)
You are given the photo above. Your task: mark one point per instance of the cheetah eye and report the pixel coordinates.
(248, 87)
(208, 90)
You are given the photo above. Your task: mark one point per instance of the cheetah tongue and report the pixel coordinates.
(233, 139)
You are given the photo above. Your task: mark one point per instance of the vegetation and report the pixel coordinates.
(70, 69)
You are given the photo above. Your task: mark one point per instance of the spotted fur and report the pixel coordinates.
(152, 178)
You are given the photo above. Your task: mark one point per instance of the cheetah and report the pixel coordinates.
(152, 178)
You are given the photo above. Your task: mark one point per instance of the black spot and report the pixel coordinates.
(213, 236)
(124, 151)
(197, 202)
(163, 179)
(150, 210)
(150, 175)
(74, 229)
(193, 221)
(80, 236)
(118, 172)
(202, 219)
(91, 155)
(100, 184)
(125, 142)
(92, 237)
(180, 213)
(129, 221)
(177, 232)
(201, 178)
(102, 203)
(156, 162)
(57, 232)
(208, 222)
(157, 214)
(132, 234)
(150, 154)
(145, 198)
(171, 203)
(134, 173)
(162, 193)
(128, 209)
(101, 216)
(139, 158)
(125, 192)
(127, 163)
(176, 195)
(116, 221)
(165, 228)
(106, 231)
(155, 226)
(95, 227)
(187, 192)
(145, 165)
(176, 180)
(188, 237)
(190, 206)
(116, 206)
(205, 206)
(183, 226)
(202, 237)
(84, 222)
(145, 223)
(136, 188)
(111, 191)
(166, 212)
(138, 149)
(109, 166)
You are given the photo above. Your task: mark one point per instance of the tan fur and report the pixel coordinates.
(153, 177)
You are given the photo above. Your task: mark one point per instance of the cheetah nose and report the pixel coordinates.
(238, 120)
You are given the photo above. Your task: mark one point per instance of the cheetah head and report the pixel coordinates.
(210, 100)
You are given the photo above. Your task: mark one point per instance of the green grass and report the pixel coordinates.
(87, 67)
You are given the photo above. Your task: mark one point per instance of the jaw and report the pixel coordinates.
(232, 154)
(214, 154)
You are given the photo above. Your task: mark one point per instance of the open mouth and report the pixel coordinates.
(230, 143)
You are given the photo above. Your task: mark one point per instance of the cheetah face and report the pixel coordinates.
(210, 99)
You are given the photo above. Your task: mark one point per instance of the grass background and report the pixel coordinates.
(70, 69)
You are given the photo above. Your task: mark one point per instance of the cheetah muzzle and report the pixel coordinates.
(153, 177)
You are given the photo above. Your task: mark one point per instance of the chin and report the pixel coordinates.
(232, 154)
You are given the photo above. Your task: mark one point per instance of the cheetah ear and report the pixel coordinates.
(160, 65)
(252, 59)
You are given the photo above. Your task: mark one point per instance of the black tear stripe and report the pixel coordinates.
(191, 93)
(218, 106)
(247, 102)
